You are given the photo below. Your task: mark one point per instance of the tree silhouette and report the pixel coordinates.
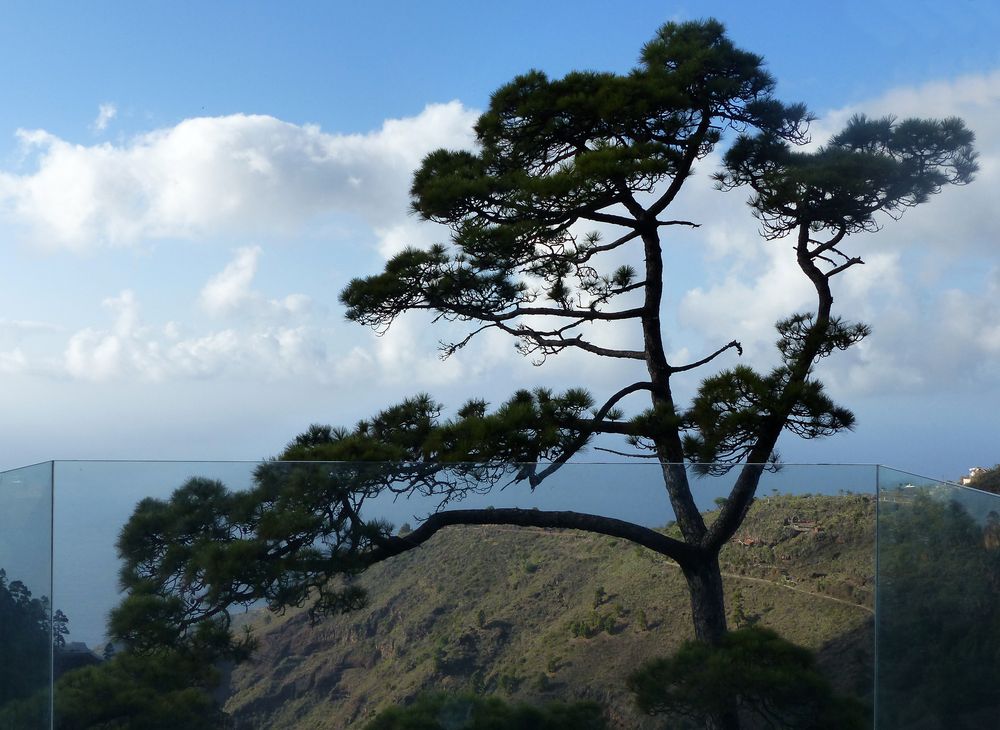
(554, 157)
(26, 640)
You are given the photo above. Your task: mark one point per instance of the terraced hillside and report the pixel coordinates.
(538, 615)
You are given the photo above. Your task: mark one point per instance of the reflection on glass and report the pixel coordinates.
(28, 628)
(938, 605)
(93, 501)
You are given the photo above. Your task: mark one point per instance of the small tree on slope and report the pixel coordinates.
(554, 155)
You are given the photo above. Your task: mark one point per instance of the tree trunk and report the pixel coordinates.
(708, 607)
(708, 612)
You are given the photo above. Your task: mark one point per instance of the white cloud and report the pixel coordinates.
(18, 328)
(935, 326)
(408, 233)
(13, 362)
(230, 288)
(130, 350)
(746, 303)
(221, 175)
(959, 220)
(105, 113)
(231, 292)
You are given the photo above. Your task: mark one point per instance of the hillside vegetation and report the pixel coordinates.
(537, 615)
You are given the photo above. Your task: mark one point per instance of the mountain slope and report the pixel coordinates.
(539, 615)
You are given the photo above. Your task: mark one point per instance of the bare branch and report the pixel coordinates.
(678, 223)
(705, 360)
(587, 314)
(616, 220)
(549, 346)
(674, 549)
(450, 348)
(620, 241)
(623, 453)
(848, 264)
(823, 247)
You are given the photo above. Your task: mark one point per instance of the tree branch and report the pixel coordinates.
(617, 220)
(690, 155)
(587, 314)
(846, 265)
(585, 434)
(706, 360)
(620, 241)
(668, 546)
(550, 346)
(832, 243)
(689, 224)
(625, 453)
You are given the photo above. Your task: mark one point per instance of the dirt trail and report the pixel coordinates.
(735, 576)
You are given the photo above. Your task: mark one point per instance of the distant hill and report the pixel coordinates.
(540, 615)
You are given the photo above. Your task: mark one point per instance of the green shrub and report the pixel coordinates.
(594, 624)
(752, 670)
(509, 682)
(641, 620)
(469, 712)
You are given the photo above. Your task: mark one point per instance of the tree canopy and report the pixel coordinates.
(775, 681)
(27, 635)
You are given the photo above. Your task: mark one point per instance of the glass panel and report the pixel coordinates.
(938, 600)
(801, 563)
(26, 637)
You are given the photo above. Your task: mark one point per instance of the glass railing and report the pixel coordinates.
(938, 605)
(26, 617)
(528, 614)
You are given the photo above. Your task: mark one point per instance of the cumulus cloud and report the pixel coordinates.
(935, 325)
(130, 349)
(105, 113)
(236, 174)
(230, 288)
(231, 291)
(959, 221)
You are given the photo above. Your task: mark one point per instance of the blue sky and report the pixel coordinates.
(185, 188)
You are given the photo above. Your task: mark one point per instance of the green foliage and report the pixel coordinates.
(160, 691)
(873, 166)
(754, 669)
(553, 152)
(188, 560)
(741, 618)
(470, 712)
(27, 635)
(733, 407)
(509, 682)
(939, 621)
(532, 425)
(594, 624)
(641, 621)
